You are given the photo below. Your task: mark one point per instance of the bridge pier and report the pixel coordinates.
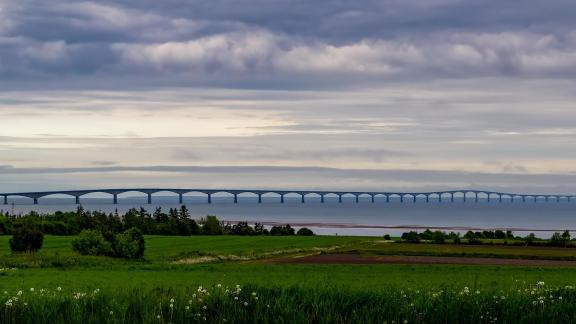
(387, 198)
(259, 198)
(149, 199)
(488, 200)
(115, 199)
(523, 199)
(5, 200)
(401, 198)
(414, 198)
(451, 197)
(535, 199)
(476, 197)
(464, 197)
(357, 199)
(427, 198)
(209, 198)
(499, 198)
(281, 199)
(35, 201)
(557, 199)
(303, 200)
(372, 198)
(439, 198)
(77, 200)
(322, 198)
(340, 198)
(235, 198)
(546, 199)
(512, 199)
(180, 199)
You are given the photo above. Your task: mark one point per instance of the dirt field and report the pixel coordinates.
(360, 259)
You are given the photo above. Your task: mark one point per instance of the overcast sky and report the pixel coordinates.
(361, 95)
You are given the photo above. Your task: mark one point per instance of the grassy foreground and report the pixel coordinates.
(102, 289)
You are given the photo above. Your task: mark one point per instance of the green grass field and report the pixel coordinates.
(244, 261)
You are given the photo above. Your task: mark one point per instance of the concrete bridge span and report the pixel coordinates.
(439, 196)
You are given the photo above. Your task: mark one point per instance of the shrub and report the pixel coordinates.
(286, 230)
(92, 242)
(387, 237)
(558, 239)
(411, 237)
(304, 231)
(26, 238)
(439, 237)
(211, 226)
(473, 238)
(130, 244)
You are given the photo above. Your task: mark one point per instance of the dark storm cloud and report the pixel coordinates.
(285, 40)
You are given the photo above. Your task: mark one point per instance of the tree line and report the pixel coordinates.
(176, 221)
(485, 237)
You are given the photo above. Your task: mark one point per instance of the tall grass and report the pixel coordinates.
(251, 304)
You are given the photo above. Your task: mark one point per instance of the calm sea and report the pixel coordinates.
(349, 217)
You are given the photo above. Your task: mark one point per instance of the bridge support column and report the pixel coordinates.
(427, 198)
(439, 198)
(512, 199)
(535, 199)
(302, 200)
(180, 199)
(281, 199)
(209, 198)
(546, 199)
(77, 200)
(35, 201)
(464, 197)
(5, 200)
(372, 198)
(387, 198)
(488, 198)
(259, 198)
(569, 198)
(149, 199)
(414, 198)
(340, 198)
(357, 199)
(451, 198)
(499, 198)
(235, 198)
(115, 199)
(523, 199)
(322, 198)
(401, 198)
(476, 197)
(558, 199)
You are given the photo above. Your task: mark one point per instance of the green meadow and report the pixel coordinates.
(174, 267)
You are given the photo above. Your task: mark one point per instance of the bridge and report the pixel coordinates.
(438, 196)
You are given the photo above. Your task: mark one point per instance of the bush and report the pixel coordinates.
(92, 242)
(130, 244)
(304, 231)
(411, 237)
(387, 237)
(211, 226)
(473, 238)
(438, 237)
(286, 230)
(27, 238)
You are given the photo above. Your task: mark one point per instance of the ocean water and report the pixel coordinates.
(348, 217)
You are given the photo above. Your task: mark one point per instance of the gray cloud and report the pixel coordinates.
(290, 177)
(284, 41)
